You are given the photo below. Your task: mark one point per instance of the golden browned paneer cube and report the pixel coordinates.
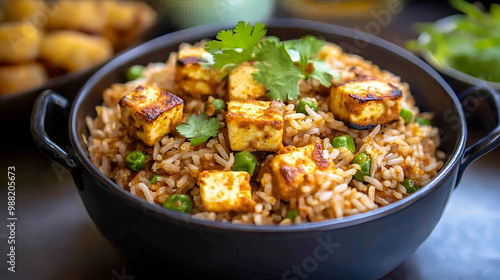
(255, 125)
(150, 113)
(223, 191)
(242, 86)
(365, 102)
(294, 168)
(193, 78)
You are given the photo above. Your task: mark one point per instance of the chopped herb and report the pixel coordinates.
(235, 46)
(199, 129)
(276, 60)
(278, 74)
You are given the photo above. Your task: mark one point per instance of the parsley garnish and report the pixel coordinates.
(198, 128)
(275, 60)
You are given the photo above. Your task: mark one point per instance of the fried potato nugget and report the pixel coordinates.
(73, 51)
(14, 78)
(20, 10)
(126, 21)
(85, 15)
(19, 42)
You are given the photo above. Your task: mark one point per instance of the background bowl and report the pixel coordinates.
(458, 80)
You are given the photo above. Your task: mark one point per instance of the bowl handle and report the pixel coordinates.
(490, 141)
(47, 100)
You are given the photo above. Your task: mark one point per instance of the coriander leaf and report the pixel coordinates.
(307, 47)
(323, 73)
(303, 50)
(211, 128)
(276, 71)
(235, 46)
(198, 129)
(197, 141)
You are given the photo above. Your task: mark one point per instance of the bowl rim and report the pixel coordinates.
(445, 24)
(211, 29)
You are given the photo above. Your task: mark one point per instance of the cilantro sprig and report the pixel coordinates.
(276, 61)
(235, 46)
(199, 129)
(278, 73)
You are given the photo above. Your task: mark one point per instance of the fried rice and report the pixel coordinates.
(397, 151)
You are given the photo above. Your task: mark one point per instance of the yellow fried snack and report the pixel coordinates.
(73, 51)
(14, 78)
(126, 20)
(85, 15)
(34, 11)
(19, 42)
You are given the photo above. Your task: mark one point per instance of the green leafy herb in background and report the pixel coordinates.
(472, 46)
(199, 129)
(276, 61)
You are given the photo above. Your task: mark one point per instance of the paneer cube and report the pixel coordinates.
(193, 78)
(242, 86)
(365, 102)
(223, 191)
(150, 113)
(255, 125)
(294, 168)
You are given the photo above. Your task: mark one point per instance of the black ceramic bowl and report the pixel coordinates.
(363, 246)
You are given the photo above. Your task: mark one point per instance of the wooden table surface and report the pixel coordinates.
(55, 238)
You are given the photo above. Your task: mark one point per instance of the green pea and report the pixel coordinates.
(344, 141)
(410, 185)
(364, 161)
(134, 72)
(178, 202)
(153, 178)
(219, 105)
(135, 160)
(244, 161)
(406, 114)
(292, 214)
(309, 101)
(423, 121)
